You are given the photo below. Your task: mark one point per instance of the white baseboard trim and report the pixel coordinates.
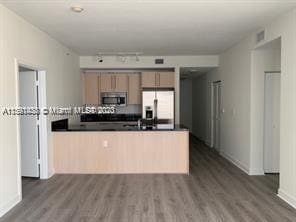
(235, 162)
(256, 172)
(208, 143)
(51, 173)
(9, 205)
(287, 198)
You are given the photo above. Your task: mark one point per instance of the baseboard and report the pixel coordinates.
(256, 172)
(208, 143)
(9, 205)
(235, 162)
(287, 198)
(51, 173)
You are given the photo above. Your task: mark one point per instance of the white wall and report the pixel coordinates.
(241, 98)
(199, 105)
(186, 103)
(20, 40)
(89, 62)
(267, 58)
(212, 76)
(235, 69)
(285, 27)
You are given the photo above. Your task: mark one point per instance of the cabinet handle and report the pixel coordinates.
(157, 79)
(113, 80)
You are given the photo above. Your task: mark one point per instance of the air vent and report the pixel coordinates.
(159, 61)
(260, 36)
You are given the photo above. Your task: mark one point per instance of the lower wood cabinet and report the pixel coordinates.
(121, 152)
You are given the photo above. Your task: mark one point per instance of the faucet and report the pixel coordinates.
(139, 123)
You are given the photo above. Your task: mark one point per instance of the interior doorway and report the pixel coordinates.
(265, 110)
(271, 122)
(196, 101)
(29, 124)
(216, 114)
(32, 129)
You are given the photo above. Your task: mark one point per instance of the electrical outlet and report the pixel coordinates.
(105, 143)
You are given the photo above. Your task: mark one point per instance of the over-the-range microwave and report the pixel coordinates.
(114, 98)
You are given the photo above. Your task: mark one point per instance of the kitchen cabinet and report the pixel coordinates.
(158, 79)
(166, 79)
(113, 82)
(121, 152)
(106, 83)
(120, 82)
(148, 79)
(134, 89)
(91, 88)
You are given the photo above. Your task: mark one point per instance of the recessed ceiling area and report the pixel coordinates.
(192, 72)
(149, 27)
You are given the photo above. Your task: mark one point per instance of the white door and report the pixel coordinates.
(28, 125)
(271, 123)
(216, 114)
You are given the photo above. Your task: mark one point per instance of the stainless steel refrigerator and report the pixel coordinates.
(161, 103)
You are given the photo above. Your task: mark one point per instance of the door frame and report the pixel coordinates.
(212, 114)
(43, 134)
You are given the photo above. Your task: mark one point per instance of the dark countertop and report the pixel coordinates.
(110, 117)
(117, 127)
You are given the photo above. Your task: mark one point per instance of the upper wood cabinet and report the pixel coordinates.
(91, 88)
(134, 89)
(120, 82)
(148, 79)
(166, 79)
(158, 79)
(113, 82)
(132, 83)
(106, 83)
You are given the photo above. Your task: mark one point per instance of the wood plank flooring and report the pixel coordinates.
(214, 191)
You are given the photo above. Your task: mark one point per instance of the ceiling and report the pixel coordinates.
(192, 72)
(163, 27)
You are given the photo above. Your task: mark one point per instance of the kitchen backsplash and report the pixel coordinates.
(129, 109)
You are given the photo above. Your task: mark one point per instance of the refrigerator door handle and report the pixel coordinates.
(155, 110)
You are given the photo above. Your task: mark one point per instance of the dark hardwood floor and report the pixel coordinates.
(215, 190)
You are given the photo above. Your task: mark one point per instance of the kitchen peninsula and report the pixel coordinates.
(120, 149)
(116, 143)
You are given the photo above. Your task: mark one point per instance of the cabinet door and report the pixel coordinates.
(166, 79)
(106, 83)
(91, 88)
(120, 82)
(148, 79)
(134, 89)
